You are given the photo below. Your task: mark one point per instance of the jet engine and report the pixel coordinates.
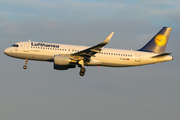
(62, 62)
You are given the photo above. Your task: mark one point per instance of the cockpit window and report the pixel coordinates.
(15, 45)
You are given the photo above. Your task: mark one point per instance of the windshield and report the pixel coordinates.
(14, 45)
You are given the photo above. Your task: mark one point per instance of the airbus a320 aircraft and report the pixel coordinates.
(65, 57)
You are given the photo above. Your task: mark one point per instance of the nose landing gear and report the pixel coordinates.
(25, 66)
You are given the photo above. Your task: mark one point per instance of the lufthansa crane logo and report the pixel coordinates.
(160, 40)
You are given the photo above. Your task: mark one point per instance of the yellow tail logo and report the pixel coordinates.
(160, 40)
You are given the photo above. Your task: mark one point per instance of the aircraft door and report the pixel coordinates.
(26, 46)
(137, 57)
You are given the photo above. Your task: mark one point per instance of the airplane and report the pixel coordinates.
(65, 57)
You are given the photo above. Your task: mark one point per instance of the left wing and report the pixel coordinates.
(89, 52)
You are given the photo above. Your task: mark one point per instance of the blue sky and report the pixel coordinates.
(138, 93)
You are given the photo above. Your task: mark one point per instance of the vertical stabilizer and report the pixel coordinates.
(158, 43)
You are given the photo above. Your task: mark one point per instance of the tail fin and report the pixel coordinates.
(158, 43)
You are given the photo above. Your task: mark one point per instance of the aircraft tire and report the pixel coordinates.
(81, 73)
(24, 67)
(83, 70)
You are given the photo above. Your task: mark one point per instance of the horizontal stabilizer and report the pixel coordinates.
(161, 55)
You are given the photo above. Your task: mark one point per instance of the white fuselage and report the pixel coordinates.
(108, 57)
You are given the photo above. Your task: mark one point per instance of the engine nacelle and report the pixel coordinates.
(61, 60)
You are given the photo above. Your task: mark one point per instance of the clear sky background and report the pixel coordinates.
(150, 92)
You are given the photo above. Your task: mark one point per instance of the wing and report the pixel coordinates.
(89, 52)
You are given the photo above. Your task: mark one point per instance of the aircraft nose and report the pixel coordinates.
(6, 51)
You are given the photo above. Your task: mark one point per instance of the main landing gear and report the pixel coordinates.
(82, 70)
(25, 66)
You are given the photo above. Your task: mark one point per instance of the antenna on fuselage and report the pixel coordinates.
(29, 40)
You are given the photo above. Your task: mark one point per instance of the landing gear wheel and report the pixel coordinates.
(83, 70)
(24, 67)
(81, 73)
